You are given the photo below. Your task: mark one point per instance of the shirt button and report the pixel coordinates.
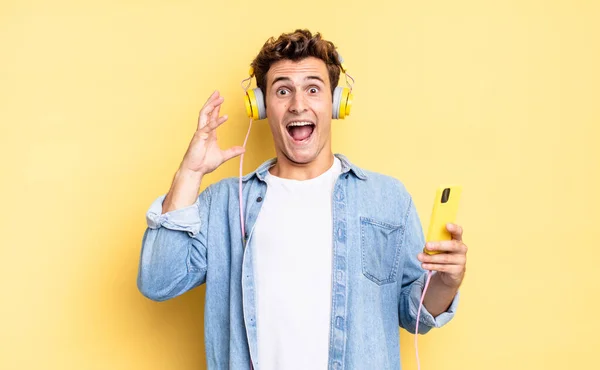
(259, 199)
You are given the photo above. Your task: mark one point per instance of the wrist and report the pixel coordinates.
(186, 173)
(184, 190)
(448, 282)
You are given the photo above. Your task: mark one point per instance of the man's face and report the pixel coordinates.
(299, 104)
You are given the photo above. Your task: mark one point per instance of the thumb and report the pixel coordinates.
(232, 152)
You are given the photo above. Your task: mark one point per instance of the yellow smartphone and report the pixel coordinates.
(445, 208)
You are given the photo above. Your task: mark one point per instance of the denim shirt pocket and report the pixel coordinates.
(380, 246)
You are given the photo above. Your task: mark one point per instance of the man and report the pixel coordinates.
(332, 264)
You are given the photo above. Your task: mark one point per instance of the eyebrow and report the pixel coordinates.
(283, 78)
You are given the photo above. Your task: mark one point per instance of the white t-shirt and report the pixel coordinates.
(292, 266)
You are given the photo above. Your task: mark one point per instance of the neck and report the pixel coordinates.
(287, 169)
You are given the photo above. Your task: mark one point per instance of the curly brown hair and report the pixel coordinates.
(296, 46)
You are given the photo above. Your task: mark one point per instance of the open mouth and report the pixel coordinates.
(300, 131)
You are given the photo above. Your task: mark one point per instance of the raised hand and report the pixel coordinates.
(204, 155)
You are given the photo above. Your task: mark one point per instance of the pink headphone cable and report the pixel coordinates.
(241, 200)
(241, 175)
(419, 316)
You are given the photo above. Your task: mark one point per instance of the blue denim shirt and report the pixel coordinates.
(376, 278)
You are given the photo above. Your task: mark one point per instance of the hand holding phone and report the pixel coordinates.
(445, 209)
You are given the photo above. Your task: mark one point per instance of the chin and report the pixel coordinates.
(302, 156)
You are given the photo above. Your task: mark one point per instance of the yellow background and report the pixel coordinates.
(98, 102)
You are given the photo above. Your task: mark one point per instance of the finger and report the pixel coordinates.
(443, 258)
(204, 115)
(215, 112)
(450, 269)
(455, 230)
(448, 246)
(201, 135)
(232, 152)
(213, 124)
(212, 96)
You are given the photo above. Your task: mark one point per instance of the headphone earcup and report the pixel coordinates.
(337, 96)
(342, 103)
(255, 104)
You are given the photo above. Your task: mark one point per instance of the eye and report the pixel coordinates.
(313, 90)
(282, 92)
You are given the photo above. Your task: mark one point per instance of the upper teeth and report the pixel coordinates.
(302, 123)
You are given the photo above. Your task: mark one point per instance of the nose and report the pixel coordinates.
(298, 104)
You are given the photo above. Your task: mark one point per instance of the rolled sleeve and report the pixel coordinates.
(183, 219)
(426, 318)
